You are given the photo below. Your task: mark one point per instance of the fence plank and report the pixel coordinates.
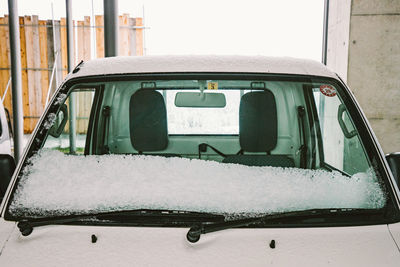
(84, 110)
(29, 64)
(4, 63)
(139, 37)
(84, 53)
(99, 36)
(81, 56)
(57, 47)
(33, 62)
(80, 40)
(50, 53)
(37, 87)
(87, 39)
(123, 35)
(24, 76)
(8, 98)
(43, 61)
(74, 41)
(64, 50)
(132, 37)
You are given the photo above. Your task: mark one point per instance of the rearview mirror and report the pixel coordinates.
(7, 168)
(200, 100)
(394, 164)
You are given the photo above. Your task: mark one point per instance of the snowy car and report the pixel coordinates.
(7, 164)
(5, 142)
(201, 161)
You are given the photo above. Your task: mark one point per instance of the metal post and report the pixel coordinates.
(72, 102)
(16, 78)
(110, 28)
(325, 32)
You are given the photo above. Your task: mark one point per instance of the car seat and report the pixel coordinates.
(258, 131)
(148, 121)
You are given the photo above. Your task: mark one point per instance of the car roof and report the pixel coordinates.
(200, 64)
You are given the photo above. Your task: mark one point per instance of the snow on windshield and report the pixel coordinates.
(60, 184)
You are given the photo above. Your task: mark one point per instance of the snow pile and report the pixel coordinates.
(60, 184)
(196, 63)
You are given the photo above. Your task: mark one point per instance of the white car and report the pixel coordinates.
(202, 161)
(5, 143)
(7, 164)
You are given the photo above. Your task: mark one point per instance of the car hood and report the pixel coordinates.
(155, 246)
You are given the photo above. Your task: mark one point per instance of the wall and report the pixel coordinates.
(363, 47)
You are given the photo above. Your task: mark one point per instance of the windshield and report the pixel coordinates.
(238, 147)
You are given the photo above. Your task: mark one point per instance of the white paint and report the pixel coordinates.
(187, 64)
(146, 246)
(5, 143)
(395, 232)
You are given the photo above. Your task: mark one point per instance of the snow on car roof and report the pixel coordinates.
(187, 64)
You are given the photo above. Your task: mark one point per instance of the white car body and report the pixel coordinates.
(5, 143)
(94, 245)
(132, 246)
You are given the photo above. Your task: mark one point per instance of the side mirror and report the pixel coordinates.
(348, 134)
(394, 164)
(55, 130)
(7, 168)
(9, 123)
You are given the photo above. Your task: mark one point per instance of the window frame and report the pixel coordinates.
(374, 153)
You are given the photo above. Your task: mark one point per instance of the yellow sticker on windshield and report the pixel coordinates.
(212, 86)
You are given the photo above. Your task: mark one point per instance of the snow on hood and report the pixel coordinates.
(62, 184)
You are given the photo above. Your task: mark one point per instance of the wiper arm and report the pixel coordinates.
(196, 231)
(331, 168)
(26, 226)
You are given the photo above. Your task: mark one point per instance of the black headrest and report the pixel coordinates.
(258, 122)
(148, 121)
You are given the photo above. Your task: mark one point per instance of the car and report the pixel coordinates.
(7, 164)
(5, 134)
(201, 161)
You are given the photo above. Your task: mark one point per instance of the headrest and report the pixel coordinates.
(258, 122)
(148, 121)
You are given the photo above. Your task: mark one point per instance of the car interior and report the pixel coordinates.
(247, 122)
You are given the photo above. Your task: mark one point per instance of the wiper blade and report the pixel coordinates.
(26, 225)
(196, 231)
(331, 168)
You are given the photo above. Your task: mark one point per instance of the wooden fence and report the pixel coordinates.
(44, 45)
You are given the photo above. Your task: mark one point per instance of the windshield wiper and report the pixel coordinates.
(26, 225)
(331, 168)
(197, 230)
